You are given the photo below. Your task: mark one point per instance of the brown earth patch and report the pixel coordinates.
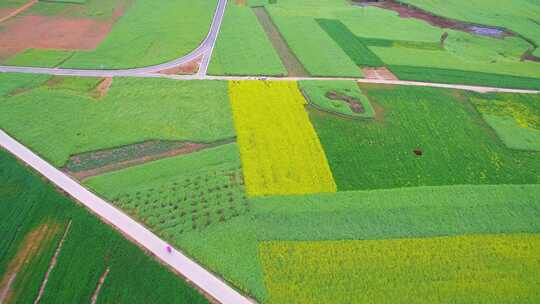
(241, 2)
(186, 148)
(102, 88)
(6, 12)
(379, 73)
(34, 242)
(354, 104)
(46, 32)
(187, 68)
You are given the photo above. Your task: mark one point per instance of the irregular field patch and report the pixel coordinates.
(280, 151)
(339, 97)
(481, 268)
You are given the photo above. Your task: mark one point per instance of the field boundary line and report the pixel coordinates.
(19, 10)
(101, 281)
(52, 264)
(196, 274)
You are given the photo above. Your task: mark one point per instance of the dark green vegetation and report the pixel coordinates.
(352, 45)
(27, 204)
(342, 98)
(457, 146)
(463, 77)
(68, 119)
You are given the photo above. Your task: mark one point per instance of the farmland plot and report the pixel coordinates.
(34, 218)
(464, 269)
(280, 151)
(420, 136)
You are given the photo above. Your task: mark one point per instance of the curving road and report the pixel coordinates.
(204, 49)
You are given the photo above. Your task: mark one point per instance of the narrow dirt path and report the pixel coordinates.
(291, 63)
(101, 280)
(52, 264)
(19, 10)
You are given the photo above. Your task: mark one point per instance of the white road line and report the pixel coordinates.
(200, 277)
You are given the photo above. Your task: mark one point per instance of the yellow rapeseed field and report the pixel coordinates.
(280, 151)
(461, 269)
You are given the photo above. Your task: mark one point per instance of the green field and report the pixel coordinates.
(29, 205)
(71, 121)
(458, 146)
(243, 47)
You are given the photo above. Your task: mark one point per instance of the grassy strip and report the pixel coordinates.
(464, 77)
(457, 146)
(468, 269)
(134, 110)
(256, 56)
(39, 58)
(26, 202)
(353, 47)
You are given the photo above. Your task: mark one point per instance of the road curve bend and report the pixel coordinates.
(199, 276)
(205, 47)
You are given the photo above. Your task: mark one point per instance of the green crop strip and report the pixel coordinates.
(354, 47)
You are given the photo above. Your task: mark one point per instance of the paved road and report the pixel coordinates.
(187, 267)
(204, 48)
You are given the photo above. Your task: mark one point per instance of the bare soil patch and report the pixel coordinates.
(46, 32)
(379, 73)
(98, 162)
(102, 88)
(241, 2)
(34, 242)
(291, 63)
(187, 68)
(354, 104)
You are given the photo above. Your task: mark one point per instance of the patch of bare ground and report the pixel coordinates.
(292, 64)
(241, 2)
(52, 264)
(48, 32)
(34, 242)
(102, 88)
(191, 67)
(101, 280)
(354, 104)
(381, 73)
(119, 158)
